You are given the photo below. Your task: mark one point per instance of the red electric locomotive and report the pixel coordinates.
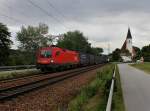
(55, 57)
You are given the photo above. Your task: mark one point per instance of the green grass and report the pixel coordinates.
(143, 66)
(17, 73)
(93, 96)
(96, 103)
(118, 101)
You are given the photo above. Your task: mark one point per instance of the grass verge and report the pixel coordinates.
(94, 96)
(118, 101)
(143, 66)
(17, 73)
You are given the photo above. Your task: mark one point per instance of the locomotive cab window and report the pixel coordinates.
(46, 53)
(57, 53)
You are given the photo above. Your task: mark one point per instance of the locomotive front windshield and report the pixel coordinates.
(46, 53)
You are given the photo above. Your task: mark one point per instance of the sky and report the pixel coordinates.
(104, 22)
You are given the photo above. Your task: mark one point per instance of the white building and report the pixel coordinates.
(127, 50)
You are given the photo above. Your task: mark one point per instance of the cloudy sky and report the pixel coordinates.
(102, 21)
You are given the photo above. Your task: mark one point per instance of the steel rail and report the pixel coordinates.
(27, 76)
(38, 75)
(41, 75)
(15, 91)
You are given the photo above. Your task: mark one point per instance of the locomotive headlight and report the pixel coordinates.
(52, 61)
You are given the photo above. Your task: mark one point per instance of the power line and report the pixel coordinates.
(11, 18)
(108, 48)
(51, 5)
(10, 8)
(58, 11)
(16, 20)
(46, 12)
(35, 5)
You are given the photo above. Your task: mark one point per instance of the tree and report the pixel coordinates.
(138, 53)
(96, 50)
(116, 55)
(126, 52)
(75, 41)
(5, 43)
(31, 38)
(145, 52)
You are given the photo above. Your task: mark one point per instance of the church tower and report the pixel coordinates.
(128, 56)
(129, 41)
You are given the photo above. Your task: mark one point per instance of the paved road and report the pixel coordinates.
(136, 88)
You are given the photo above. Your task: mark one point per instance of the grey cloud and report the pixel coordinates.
(100, 20)
(72, 9)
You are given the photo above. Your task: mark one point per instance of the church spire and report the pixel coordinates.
(129, 36)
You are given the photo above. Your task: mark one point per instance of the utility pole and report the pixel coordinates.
(108, 51)
(108, 48)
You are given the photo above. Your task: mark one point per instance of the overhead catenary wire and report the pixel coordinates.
(58, 11)
(7, 6)
(18, 11)
(52, 6)
(15, 20)
(11, 18)
(46, 12)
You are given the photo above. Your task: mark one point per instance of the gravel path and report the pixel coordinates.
(136, 90)
(49, 98)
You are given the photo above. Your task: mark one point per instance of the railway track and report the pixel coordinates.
(13, 91)
(8, 83)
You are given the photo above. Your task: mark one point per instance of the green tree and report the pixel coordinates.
(96, 50)
(138, 53)
(145, 52)
(18, 57)
(31, 38)
(5, 43)
(116, 55)
(75, 41)
(126, 52)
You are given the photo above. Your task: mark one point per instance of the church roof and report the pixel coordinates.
(129, 34)
(123, 48)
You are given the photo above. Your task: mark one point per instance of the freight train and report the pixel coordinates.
(54, 57)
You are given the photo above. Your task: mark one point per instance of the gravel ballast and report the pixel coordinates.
(49, 98)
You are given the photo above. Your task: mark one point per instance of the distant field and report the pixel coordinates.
(143, 66)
